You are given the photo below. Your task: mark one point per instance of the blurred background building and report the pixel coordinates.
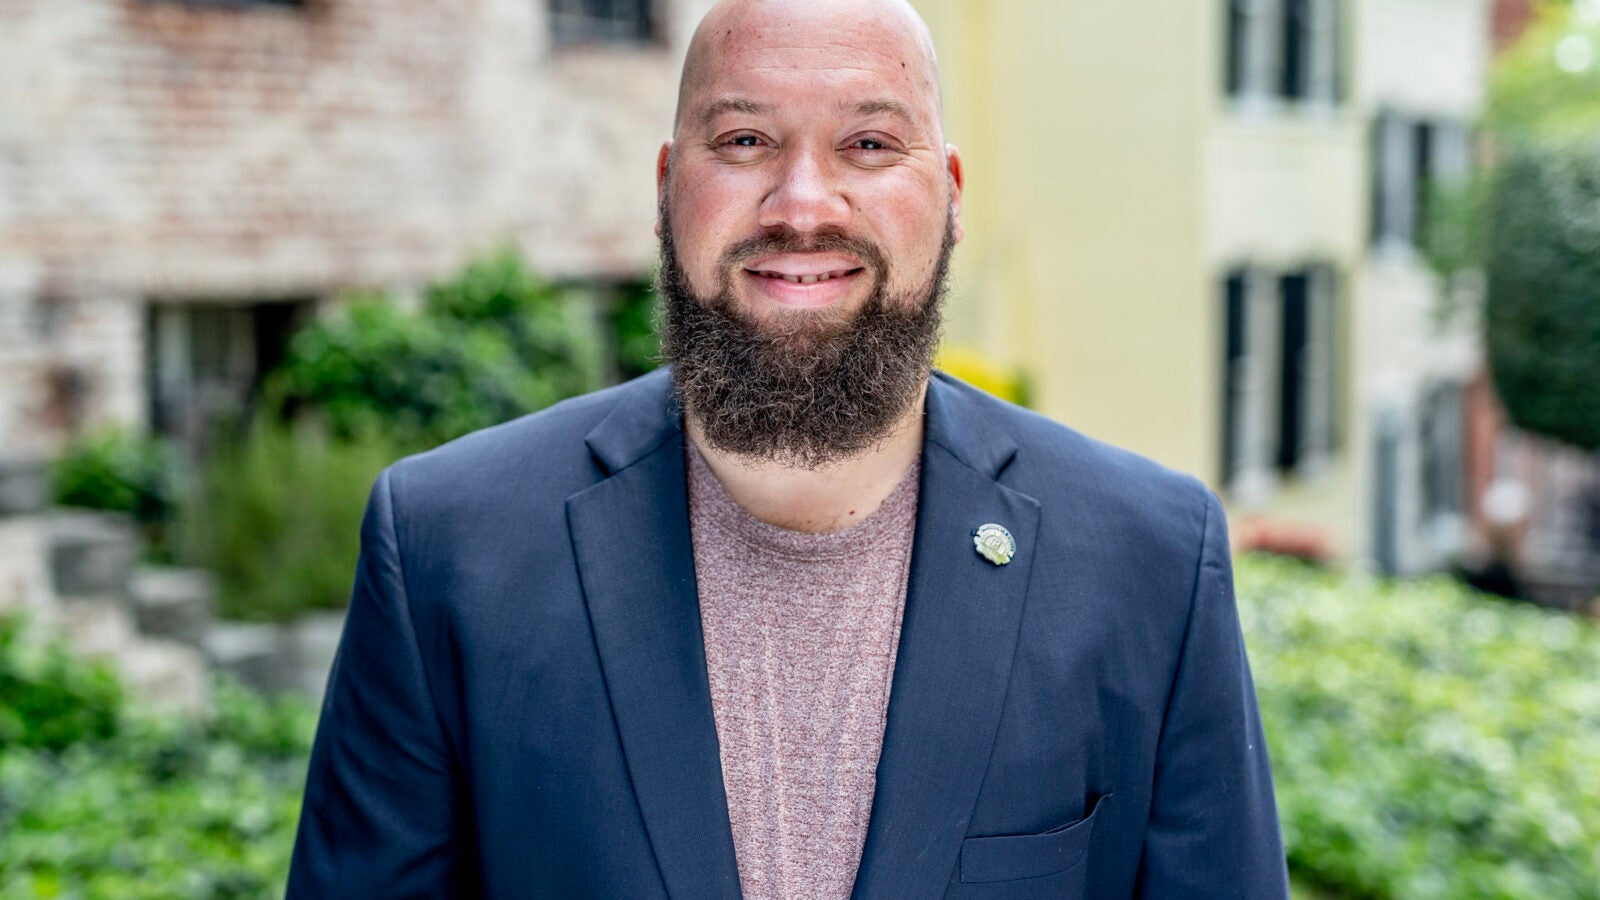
(185, 181)
(1191, 226)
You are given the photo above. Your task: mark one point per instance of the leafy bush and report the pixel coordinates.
(1543, 305)
(119, 471)
(278, 519)
(1532, 94)
(1427, 742)
(632, 320)
(1531, 225)
(490, 344)
(148, 806)
(48, 699)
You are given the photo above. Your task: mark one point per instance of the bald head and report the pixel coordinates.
(813, 33)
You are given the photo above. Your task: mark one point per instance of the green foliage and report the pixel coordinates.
(490, 344)
(120, 471)
(172, 807)
(1426, 742)
(1547, 86)
(632, 319)
(1542, 311)
(1455, 234)
(278, 519)
(550, 330)
(102, 800)
(1532, 226)
(48, 699)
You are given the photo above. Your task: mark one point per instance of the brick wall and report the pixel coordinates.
(157, 149)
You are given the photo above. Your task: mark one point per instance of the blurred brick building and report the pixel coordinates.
(181, 181)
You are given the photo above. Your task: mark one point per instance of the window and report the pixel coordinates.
(205, 362)
(1443, 434)
(1251, 314)
(1305, 382)
(1278, 385)
(601, 21)
(1235, 373)
(1409, 157)
(1286, 49)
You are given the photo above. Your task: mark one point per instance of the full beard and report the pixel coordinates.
(807, 388)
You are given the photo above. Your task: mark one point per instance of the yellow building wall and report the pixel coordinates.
(1079, 124)
(1109, 188)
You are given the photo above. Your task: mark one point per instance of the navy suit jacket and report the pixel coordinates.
(520, 707)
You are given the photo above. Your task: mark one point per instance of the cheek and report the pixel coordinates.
(700, 236)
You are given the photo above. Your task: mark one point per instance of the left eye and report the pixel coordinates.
(870, 144)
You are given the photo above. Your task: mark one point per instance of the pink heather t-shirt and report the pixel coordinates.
(801, 632)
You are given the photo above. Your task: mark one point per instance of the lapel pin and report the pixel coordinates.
(994, 543)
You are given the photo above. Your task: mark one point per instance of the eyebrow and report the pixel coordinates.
(879, 107)
(726, 105)
(745, 106)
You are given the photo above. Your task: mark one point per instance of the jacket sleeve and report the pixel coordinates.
(382, 815)
(1213, 829)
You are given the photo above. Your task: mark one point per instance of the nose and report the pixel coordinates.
(808, 195)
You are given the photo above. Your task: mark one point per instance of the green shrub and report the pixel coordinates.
(490, 344)
(1542, 312)
(1427, 742)
(550, 330)
(99, 799)
(277, 518)
(48, 699)
(632, 320)
(173, 807)
(119, 471)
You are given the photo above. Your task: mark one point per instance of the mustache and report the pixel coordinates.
(822, 241)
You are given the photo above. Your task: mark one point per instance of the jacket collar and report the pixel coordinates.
(958, 419)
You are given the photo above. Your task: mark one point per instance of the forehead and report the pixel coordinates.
(842, 59)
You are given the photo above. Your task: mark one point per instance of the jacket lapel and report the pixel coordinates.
(630, 535)
(957, 640)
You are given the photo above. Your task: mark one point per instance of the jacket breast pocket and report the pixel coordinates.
(1013, 857)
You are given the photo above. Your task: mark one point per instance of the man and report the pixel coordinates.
(796, 619)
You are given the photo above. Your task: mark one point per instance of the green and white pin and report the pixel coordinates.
(994, 543)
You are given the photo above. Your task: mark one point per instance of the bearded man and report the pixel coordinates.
(796, 618)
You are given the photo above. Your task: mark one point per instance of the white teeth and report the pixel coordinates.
(802, 279)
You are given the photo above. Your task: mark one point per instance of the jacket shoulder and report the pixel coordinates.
(1064, 469)
(540, 453)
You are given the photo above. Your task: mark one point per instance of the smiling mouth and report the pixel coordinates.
(803, 279)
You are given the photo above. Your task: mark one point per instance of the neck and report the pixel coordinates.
(819, 500)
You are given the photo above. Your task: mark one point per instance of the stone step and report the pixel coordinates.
(166, 675)
(24, 486)
(313, 641)
(253, 652)
(98, 626)
(91, 553)
(25, 579)
(173, 603)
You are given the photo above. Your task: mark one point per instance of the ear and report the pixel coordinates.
(952, 158)
(662, 158)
